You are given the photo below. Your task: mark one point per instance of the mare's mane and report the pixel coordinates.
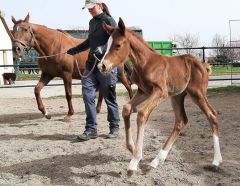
(47, 28)
(56, 30)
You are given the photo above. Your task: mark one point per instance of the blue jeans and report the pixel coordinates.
(107, 85)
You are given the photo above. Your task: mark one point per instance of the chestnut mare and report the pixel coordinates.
(158, 77)
(46, 42)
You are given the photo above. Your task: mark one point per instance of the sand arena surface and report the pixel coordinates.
(37, 151)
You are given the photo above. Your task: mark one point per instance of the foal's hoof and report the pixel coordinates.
(131, 173)
(48, 116)
(146, 168)
(212, 168)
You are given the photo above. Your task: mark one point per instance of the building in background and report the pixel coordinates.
(6, 56)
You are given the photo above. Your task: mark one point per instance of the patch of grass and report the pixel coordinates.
(218, 70)
(122, 93)
(63, 96)
(21, 77)
(232, 89)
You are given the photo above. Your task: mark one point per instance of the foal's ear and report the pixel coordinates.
(109, 29)
(27, 18)
(121, 26)
(13, 20)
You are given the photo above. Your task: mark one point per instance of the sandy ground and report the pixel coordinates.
(36, 151)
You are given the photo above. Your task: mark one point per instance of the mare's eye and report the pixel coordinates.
(25, 30)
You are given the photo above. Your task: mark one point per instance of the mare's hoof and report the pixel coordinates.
(98, 110)
(131, 173)
(67, 118)
(48, 116)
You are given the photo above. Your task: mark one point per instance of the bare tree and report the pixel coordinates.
(223, 55)
(219, 41)
(187, 41)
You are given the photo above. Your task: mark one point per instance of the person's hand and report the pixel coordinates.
(100, 50)
(71, 51)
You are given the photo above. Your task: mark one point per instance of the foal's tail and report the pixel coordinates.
(209, 68)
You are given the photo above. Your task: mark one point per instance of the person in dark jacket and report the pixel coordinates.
(97, 38)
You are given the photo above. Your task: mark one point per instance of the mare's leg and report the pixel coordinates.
(126, 112)
(180, 121)
(142, 118)
(122, 77)
(67, 79)
(200, 99)
(44, 80)
(99, 102)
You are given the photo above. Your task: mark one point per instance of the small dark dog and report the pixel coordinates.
(9, 78)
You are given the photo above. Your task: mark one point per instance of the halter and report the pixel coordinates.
(27, 46)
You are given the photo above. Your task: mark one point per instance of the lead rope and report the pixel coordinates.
(86, 76)
(48, 56)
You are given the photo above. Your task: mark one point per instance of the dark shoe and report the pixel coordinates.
(113, 133)
(87, 135)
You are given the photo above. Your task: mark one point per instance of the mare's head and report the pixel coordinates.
(23, 36)
(118, 48)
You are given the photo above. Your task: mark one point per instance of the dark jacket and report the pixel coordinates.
(97, 35)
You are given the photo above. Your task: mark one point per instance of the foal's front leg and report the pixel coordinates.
(142, 118)
(126, 112)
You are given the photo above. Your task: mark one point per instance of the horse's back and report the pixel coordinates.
(182, 72)
(197, 72)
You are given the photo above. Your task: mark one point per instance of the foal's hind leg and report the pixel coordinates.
(44, 80)
(201, 100)
(180, 121)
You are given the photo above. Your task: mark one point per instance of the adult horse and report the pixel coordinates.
(48, 42)
(157, 78)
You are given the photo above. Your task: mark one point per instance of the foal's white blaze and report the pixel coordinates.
(162, 155)
(109, 44)
(217, 153)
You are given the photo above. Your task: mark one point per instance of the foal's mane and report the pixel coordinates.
(139, 39)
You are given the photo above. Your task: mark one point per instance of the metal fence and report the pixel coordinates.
(30, 65)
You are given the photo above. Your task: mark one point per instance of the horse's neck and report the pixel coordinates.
(44, 39)
(139, 53)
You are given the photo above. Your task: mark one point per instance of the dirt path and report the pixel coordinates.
(37, 151)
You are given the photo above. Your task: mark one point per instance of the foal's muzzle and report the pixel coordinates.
(105, 67)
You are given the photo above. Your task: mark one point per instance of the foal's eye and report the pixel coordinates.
(25, 29)
(118, 46)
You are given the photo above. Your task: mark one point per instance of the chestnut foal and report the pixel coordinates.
(158, 77)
